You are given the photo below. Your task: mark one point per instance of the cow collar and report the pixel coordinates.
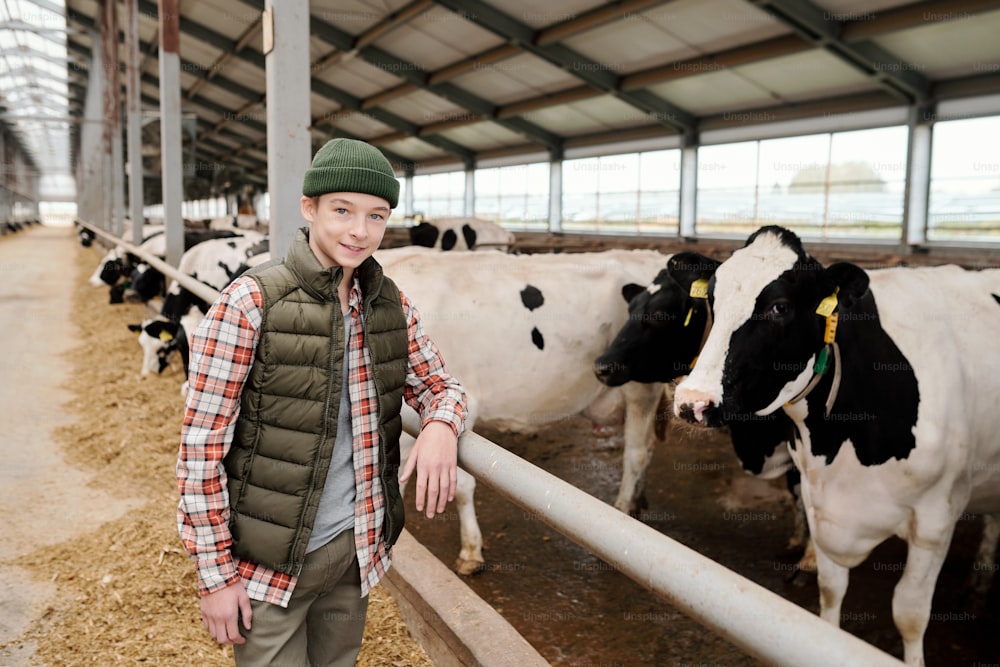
(830, 354)
(699, 290)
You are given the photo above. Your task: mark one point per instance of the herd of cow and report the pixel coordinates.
(14, 225)
(873, 390)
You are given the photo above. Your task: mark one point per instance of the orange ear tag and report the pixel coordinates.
(831, 327)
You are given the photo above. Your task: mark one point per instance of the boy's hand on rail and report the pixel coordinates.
(435, 458)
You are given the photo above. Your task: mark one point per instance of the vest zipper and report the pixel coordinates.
(326, 413)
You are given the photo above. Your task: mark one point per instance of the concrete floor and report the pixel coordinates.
(42, 500)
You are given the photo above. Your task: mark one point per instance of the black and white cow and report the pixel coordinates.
(521, 333)
(461, 234)
(118, 269)
(147, 283)
(215, 263)
(891, 379)
(668, 322)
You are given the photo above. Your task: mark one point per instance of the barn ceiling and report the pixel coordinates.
(451, 82)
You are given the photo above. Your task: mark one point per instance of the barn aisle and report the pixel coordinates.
(43, 501)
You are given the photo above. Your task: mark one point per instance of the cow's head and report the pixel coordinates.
(158, 339)
(666, 324)
(110, 271)
(767, 334)
(146, 283)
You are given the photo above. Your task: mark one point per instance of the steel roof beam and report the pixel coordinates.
(820, 28)
(419, 78)
(597, 75)
(606, 13)
(225, 44)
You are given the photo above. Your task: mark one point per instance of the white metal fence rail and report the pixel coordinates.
(760, 622)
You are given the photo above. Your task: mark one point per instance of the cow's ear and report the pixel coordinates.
(135, 327)
(630, 290)
(852, 281)
(688, 267)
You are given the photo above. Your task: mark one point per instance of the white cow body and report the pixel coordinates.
(526, 367)
(471, 306)
(944, 321)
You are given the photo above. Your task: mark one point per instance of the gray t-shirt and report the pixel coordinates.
(336, 505)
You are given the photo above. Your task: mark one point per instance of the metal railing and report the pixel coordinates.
(196, 287)
(759, 621)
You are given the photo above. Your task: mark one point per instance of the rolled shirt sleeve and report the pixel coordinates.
(430, 389)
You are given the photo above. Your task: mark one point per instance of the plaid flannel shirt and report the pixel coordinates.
(222, 353)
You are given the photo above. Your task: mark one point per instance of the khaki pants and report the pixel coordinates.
(325, 618)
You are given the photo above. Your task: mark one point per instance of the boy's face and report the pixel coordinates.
(345, 227)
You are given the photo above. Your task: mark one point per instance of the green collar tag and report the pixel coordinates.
(822, 361)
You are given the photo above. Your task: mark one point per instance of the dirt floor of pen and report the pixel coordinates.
(577, 610)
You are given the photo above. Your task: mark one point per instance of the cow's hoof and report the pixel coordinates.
(635, 508)
(467, 568)
(802, 578)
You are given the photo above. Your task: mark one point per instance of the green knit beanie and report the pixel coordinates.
(348, 165)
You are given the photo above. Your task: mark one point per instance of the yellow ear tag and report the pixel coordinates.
(699, 289)
(831, 327)
(166, 336)
(827, 305)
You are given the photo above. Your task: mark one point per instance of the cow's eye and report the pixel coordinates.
(778, 310)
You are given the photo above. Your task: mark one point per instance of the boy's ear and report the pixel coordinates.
(852, 281)
(308, 207)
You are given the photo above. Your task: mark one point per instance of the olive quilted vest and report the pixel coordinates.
(285, 434)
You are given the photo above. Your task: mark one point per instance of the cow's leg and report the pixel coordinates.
(832, 578)
(800, 539)
(641, 403)
(470, 556)
(983, 567)
(911, 600)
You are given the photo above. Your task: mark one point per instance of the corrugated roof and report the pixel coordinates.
(456, 81)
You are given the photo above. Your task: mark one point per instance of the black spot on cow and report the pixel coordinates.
(469, 234)
(537, 339)
(532, 297)
(424, 234)
(996, 298)
(449, 239)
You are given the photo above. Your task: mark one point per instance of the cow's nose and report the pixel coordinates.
(697, 408)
